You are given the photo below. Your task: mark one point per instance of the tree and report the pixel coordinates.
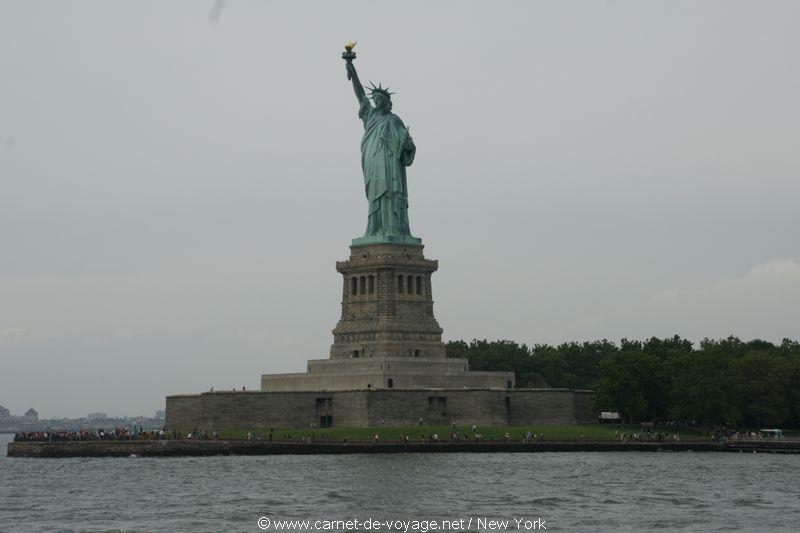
(581, 363)
(669, 355)
(504, 355)
(704, 387)
(725, 381)
(765, 388)
(628, 379)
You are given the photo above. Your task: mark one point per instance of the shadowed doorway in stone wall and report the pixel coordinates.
(324, 412)
(437, 410)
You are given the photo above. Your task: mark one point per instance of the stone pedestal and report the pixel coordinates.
(387, 336)
(387, 304)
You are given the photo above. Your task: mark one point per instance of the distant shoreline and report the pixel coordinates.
(178, 448)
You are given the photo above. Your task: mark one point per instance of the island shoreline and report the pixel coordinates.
(195, 448)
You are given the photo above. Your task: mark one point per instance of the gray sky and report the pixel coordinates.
(176, 186)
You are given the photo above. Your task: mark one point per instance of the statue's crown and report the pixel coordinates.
(379, 90)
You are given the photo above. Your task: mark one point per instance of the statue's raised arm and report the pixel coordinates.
(361, 95)
(352, 75)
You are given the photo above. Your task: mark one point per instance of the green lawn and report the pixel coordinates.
(415, 433)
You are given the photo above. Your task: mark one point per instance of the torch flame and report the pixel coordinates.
(349, 46)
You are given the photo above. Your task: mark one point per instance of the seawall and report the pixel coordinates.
(174, 448)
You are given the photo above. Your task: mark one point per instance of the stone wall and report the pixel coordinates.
(369, 374)
(185, 411)
(437, 408)
(365, 408)
(584, 408)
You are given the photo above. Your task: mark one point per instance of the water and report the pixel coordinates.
(623, 491)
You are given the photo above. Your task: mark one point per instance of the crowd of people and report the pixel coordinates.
(647, 436)
(118, 433)
(725, 434)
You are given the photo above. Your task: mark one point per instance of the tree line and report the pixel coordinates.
(719, 382)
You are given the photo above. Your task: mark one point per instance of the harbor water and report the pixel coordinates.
(582, 491)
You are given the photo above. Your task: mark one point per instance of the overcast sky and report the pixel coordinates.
(178, 180)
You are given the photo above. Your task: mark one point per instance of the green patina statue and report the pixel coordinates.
(386, 150)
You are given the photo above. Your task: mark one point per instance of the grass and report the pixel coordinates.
(595, 432)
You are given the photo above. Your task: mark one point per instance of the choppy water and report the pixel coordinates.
(624, 491)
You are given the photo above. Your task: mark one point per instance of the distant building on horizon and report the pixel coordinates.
(4, 413)
(32, 414)
(97, 416)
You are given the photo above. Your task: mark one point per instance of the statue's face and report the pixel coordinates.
(381, 102)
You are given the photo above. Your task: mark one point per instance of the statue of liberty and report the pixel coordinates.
(386, 150)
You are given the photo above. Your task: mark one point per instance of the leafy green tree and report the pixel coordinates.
(704, 387)
(550, 366)
(457, 349)
(582, 363)
(765, 381)
(628, 380)
(724, 381)
(668, 355)
(794, 391)
(789, 349)
(501, 355)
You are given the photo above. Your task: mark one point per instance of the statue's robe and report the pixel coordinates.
(384, 158)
